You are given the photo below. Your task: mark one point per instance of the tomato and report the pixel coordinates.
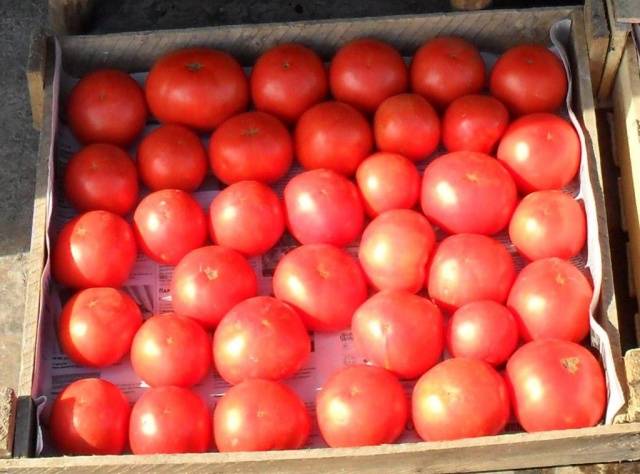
(333, 135)
(260, 415)
(542, 151)
(551, 300)
(107, 106)
(556, 385)
(209, 281)
(470, 267)
(408, 125)
(90, 416)
(101, 177)
(361, 406)
(548, 224)
(197, 87)
(446, 68)
(97, 248)
(167, 420)
(474, 123)
(366, 71)
(400, 331)
(171, 350)
(395, 249)
(288, 79)
(169, 224)
(172, 157)
(323, 283)
(323, 207)
(252, 145)
(97, 326)
(483, 330)
(460, 398)
(468, 192)
(529, 79)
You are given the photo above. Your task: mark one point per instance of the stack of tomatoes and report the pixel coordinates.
(512, 336)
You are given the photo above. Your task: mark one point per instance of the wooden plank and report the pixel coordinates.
(597, 33)
(470, 5)
(35, 76)
(619, 34)
(69, 16)
(7, 421)
(632, 365)
(627, 11)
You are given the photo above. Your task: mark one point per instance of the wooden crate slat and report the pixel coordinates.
(7, 421)
(627, 11)
(597, 32)
(618, 39)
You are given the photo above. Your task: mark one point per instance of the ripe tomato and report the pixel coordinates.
(548, 224)
(474, 123)
(446, 68)
(323, 207)
(408, 125)
(366, 71)
(90, 416)
(333, 135)
(197, 87)
(468, 192)
(101, 177)
(395, 249)
(400, 331)
(97, 326)
(209, 281)
(287, 80)
(252, 145)
(470, 267)
(324, 283)
(460, 398)
(169, 224)
(529, 79)
(172, 157)
(167, 420)
(260, 415)
(483, 330)
(551, 299)
(97, 248)
(542, 151)
(107, 106)
(556, 385)
(361, 405)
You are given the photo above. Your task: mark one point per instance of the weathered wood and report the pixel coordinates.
(632, 365)
(619, 34)
(470, 5)
(627, 11)
(597, 32)
(7, 421)
(69, 16)
(35, 76)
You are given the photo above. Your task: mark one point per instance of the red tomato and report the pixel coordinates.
(400, 331)
(551, 299)
(107, 106)
(395, 249)
(167, 420)
(97, 326)
(97, 248)
(323, 207)
(361, 405)
(101, 177)
(252, 145)
(542, 151)
(248, 217)
(529, 79)
(209, 281)
(169, 224)
(470, 267)
(324, 283)
(172, 157)
(556, 385)
(468, 192)
(483, 330)
(446, 68)
(474, 123)
(197, 87)
(90, 416)
(171, 350)
(366, 71)
(260, 415)
(548, 224)
(333, 135)
(287, 80)
(408, 125)
(460, 398)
